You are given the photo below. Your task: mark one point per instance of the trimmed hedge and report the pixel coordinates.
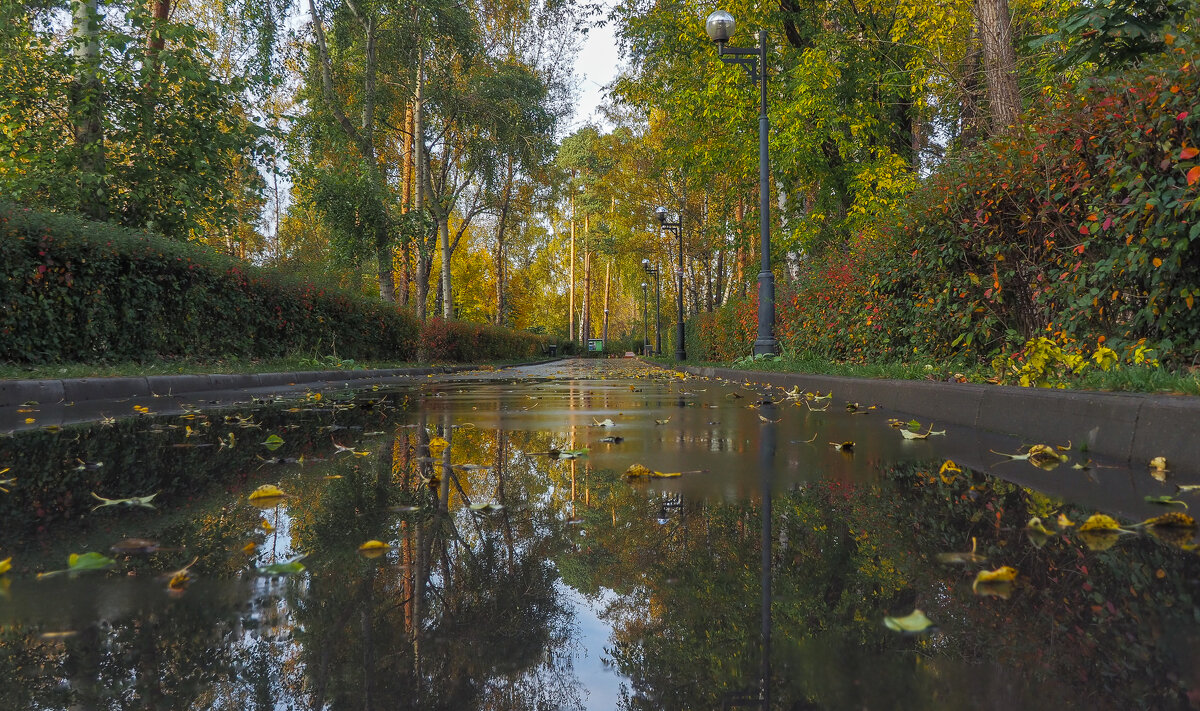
(78, 291)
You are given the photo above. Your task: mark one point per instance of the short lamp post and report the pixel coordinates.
(645, 308)
(653, 271)
(676, 227)
(720, 26)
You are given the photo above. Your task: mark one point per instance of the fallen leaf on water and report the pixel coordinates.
(568, 453)
(249, 547)
(1039, 455)
(912, 623)
(135, 546)
(1035, 524)
(179, 579)
(1181, 488)
(273, 442)
(436, 444)
(846, 446)
(662, 422)
(1003, 574)
(962, 558)
(637, 470)
(1174, 519)
(1099, 522)
(487, 507)
(266, 525)
(287, 567)
(606, 422)
(909, 434)
(950, 466)
(1064, 522)
(142, 501)
(1082, 466)
(373, 549)
(268, 496)
(612, 440)
(1165, 500)
(5, 565)
(767, 419)
(81, 563)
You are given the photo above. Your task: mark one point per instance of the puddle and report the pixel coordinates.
(576, 588)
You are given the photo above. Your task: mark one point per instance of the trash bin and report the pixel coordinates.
(553, 350)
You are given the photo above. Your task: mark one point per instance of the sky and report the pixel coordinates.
(595, 66)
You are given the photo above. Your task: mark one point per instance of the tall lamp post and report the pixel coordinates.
(676, 227)
(653, 271)
(720, 26)
(645, 308)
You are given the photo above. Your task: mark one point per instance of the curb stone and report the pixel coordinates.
(48, 392)
(1131, 428)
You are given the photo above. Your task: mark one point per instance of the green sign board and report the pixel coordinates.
(595, 345)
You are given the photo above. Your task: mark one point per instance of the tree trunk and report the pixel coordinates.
(587, 282)
(999, 62)
(571, 288)
(607, 278)
(444, 237)
(501, 223)
(86, 99)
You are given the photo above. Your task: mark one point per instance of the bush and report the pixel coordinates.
(1079, 227)
(79, 291)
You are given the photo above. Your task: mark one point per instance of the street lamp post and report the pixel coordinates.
(645, 308)
(677, 228)
(653, 271)
(720, 26)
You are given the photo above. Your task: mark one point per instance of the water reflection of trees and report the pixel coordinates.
(1110, 629)
(463, 613)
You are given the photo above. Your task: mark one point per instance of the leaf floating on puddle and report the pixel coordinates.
(288, 567)
(1158, 468)
(606, 422)
(962, 558)
(373, 549)
(137, 501)
(273, 442)
(659, 422)
(637, 471)
(1174, 519)
(846, 446)
(268, 496)
(1003, 574)
(82, 563)
(1041, 456)
(612, 440)
(5, 565)
(1099, 522)
(914, 623)
(1165, 500)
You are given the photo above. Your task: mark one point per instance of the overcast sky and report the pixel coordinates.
(596, 66)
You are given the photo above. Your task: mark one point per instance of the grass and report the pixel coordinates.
(193, 367)
(1126, 379)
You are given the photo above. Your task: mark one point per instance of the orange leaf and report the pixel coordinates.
(1189, 153)
(1193, 175)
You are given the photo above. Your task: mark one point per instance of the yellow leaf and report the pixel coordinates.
(1174, 519)
(914, 622)
(266, 525)
(1035, 524)
(950, 466)
(438, 444)
(373, 549)
(1064, 522)
(1158, 464)
(1099, 522)
(5, 565)
(1003, 574)
(249, 547)
(267, 491)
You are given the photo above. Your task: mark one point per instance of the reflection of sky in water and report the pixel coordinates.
(651, 562)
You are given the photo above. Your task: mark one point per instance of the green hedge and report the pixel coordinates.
(78, 291)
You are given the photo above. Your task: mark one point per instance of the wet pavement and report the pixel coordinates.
(513, 569)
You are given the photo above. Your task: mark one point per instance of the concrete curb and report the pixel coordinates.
(47, 392)
(1132, 428)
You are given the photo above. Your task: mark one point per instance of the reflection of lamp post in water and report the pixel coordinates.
(766, 464)
(653, 271)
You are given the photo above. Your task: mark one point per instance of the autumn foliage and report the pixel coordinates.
(1080, 226)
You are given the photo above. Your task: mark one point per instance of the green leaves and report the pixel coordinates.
(288, 567)
(913, 623)
(82, 563)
